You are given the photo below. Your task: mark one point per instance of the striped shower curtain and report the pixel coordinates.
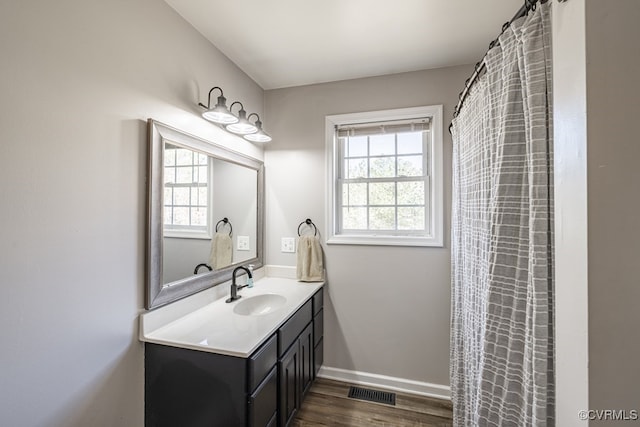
(502, 253)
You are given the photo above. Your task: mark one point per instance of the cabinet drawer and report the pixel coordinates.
(262, 361)
(289, 332)
(318, 327)
(318, 301)
(263, 403)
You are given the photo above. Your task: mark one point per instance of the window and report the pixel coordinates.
(186, 193)
(385, 170)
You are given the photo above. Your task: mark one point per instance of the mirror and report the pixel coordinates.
(205, 214)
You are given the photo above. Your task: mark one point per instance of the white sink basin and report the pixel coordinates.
(259, 305)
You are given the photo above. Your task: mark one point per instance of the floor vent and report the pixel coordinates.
(372, 395)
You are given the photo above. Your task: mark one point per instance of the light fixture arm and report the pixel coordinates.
(258, 122)
(234, 103)
(208, 106)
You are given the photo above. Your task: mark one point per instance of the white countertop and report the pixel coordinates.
(215, 328)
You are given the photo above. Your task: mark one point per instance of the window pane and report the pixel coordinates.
(184, 157)
(168, 196)
(411, 218)
(382, 167)
(181, 196)
(202, 174)
(199, 216)
(169, 156)
(356, 168)
(181, 216)
(382, 193)
(410, 143)
(356, 146)
(354, 194)
(382, 145)
(354, 218)
(411, 193)
(199, 196)
(184, 175)
(201, 159)
(382, 218)
(168, 217)
(410, 166)
(169, 175)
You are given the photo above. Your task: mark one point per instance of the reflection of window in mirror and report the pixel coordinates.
(187, 193)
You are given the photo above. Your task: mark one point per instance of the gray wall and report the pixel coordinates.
(388, 307)
(180, 256)
(613, 153)
(78, 80)
(235, 196)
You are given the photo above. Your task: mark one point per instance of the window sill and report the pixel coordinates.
(183, 234)
(385, 241)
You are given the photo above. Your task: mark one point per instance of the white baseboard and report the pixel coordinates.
(390, 383)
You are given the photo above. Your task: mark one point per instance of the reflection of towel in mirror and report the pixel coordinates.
(221, 251)
(310, 265)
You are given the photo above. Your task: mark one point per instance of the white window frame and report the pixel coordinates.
(435, 238)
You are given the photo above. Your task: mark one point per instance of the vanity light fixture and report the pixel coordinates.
(238, 124)
(220, 113)
(259, 135)
(242, 126)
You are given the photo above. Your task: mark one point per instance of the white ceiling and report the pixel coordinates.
(282, 43)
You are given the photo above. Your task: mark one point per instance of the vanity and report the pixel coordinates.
(246, 363)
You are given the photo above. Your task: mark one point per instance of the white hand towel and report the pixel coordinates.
(310, 266)
(221, 251)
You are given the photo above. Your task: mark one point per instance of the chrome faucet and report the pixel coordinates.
(235, 288)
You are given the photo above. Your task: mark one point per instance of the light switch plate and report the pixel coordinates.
(288, 244)
(243, 243)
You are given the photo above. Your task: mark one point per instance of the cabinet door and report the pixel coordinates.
(263, 403)
(289, 372)
(306, 360)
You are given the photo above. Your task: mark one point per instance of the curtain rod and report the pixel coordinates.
(480, 65)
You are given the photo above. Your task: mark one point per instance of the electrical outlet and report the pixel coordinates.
(288, 244)
(243, 243)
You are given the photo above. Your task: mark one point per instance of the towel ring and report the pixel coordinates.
(308, 222)
(226, 221)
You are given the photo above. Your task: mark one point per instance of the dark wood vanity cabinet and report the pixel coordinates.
(187, 388)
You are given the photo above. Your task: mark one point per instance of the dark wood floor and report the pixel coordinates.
(327, 404)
